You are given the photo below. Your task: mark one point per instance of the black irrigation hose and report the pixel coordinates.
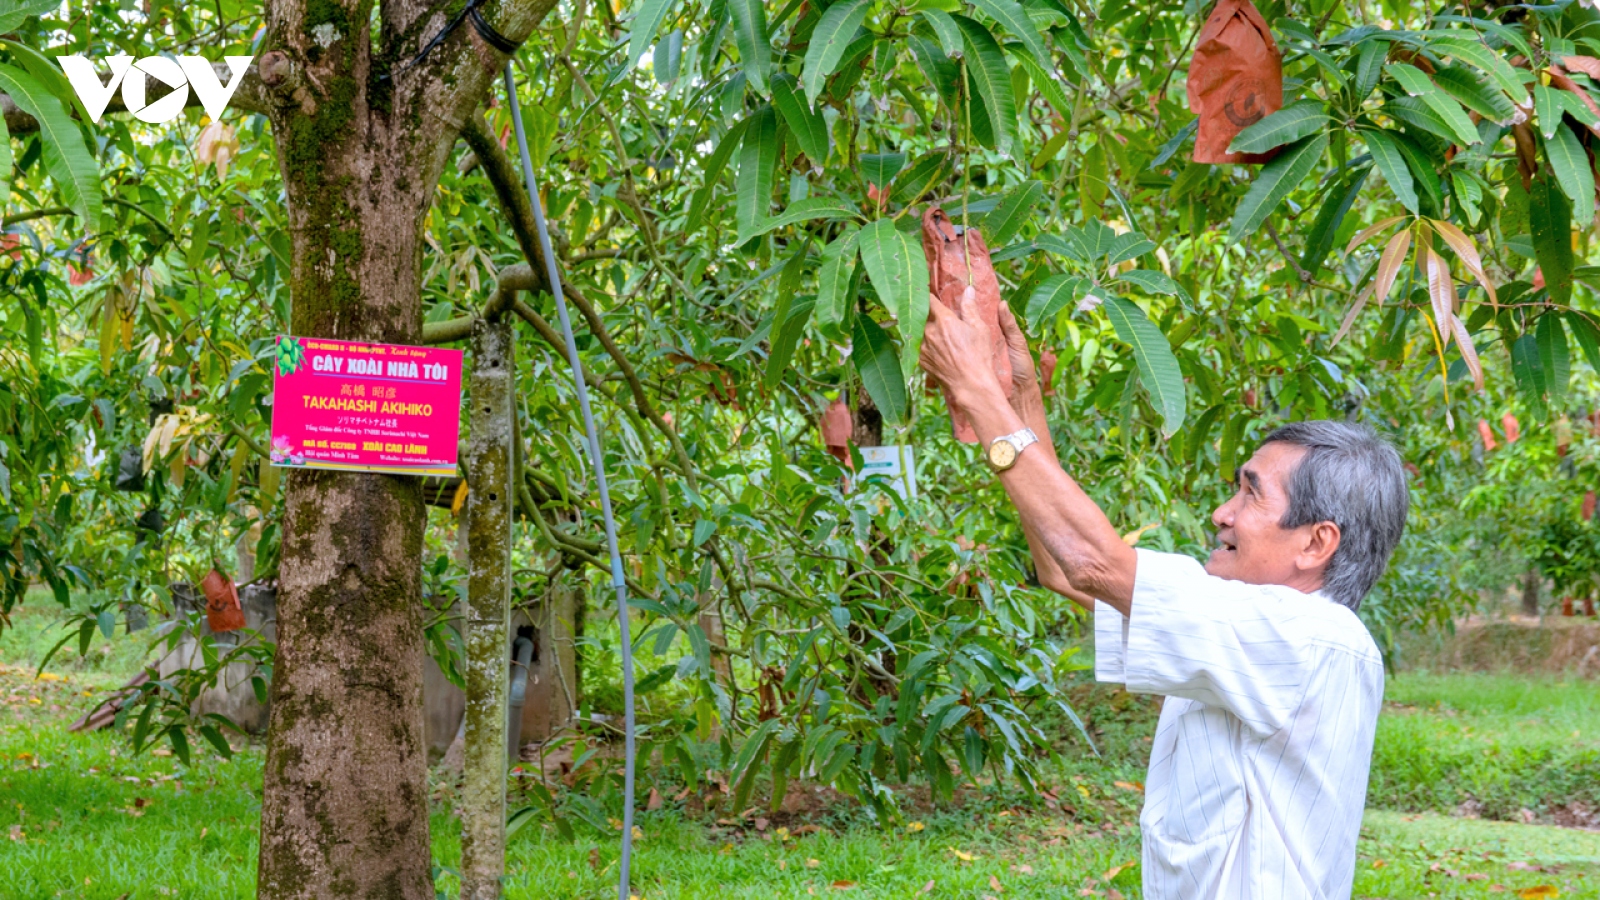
(598, 461)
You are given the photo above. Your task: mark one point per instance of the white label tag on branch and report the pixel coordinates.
(896, 464)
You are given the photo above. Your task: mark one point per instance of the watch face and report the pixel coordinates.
(1002, 454)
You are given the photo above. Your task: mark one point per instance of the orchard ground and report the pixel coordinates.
(82, 816)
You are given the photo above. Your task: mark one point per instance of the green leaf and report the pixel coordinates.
(805, 210)
(714, 165)
(47, 72)
(1293, 122)
(1152, 282)
(12, 18)
(833, 34)
(1422, 168)
(1587, 336)
(1480, 57)
(807, 125)
(1577, 109)
(880, 168)
(217, 741)
(1369, 66)
(1277, 179)
(645, 24)
(791, 324)
(834, 279)
(921, 178)
(668, 57)
(1550, 217)
(758, 156)
(1554, 361)
(1525, 368)
(1051, 297)
(179, 742)
(1417, 84)
(6, 162)
(1011, 16)
(750, 35)
(944, 29)
(1124, 247)
(1419, 115)
(873, 355)
(1331, 216)
(1049, 86)
(1158, 368)
(892, 265)
(1547, 108)
(66, 157)
(1473, 92)
(1572, 170)
(1013, 212)
(1093, 180)
(991, 80)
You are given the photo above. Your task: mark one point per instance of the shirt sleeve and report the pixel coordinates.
(1110, 643)
(1223, 643)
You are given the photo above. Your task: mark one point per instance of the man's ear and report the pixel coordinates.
(1322, 541)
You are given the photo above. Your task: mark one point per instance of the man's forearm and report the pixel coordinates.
(1049, 571)
(1058, 517)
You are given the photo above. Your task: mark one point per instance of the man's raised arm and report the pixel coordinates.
(1056, 514)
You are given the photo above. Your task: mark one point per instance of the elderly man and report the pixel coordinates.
(1258, 772)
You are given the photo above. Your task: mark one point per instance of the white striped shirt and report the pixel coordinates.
(1258, 773)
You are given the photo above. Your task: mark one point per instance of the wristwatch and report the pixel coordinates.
(1003, 453)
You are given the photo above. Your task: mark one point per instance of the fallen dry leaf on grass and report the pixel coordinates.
(843, 885)
(1112, 873)
(1539, 892)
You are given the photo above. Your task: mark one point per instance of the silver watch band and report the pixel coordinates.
(1020, 439)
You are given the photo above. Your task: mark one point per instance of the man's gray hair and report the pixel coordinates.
(1353, 478)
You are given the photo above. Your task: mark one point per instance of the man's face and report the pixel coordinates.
(1253, 547)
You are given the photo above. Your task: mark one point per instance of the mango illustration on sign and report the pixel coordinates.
(180, 74)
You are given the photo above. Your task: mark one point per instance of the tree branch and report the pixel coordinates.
(514, 201)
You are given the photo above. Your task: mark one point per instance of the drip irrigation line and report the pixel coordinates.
(618, 582)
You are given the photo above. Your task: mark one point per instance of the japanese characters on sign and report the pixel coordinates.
(366, 407)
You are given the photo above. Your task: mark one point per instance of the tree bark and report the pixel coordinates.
(489, 465)
(1530, 593)
(362, 137)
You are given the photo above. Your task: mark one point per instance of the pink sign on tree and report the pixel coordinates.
(366, 407)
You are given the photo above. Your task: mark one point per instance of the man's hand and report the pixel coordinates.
(957, 346)
(1027, 399)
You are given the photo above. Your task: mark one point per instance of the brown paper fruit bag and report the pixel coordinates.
(223, 612)
(957, 258)
(1235, 80)
(837, 425)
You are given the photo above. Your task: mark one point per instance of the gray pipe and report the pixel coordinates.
(521, 656)
(618, 582)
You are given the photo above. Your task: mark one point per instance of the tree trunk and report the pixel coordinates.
(552, 679)
(1530, 593)
(489, 465)
(362, 136)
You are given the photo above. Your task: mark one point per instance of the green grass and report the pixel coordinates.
(1428, 855)
(80, 816)
(1508, 744)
